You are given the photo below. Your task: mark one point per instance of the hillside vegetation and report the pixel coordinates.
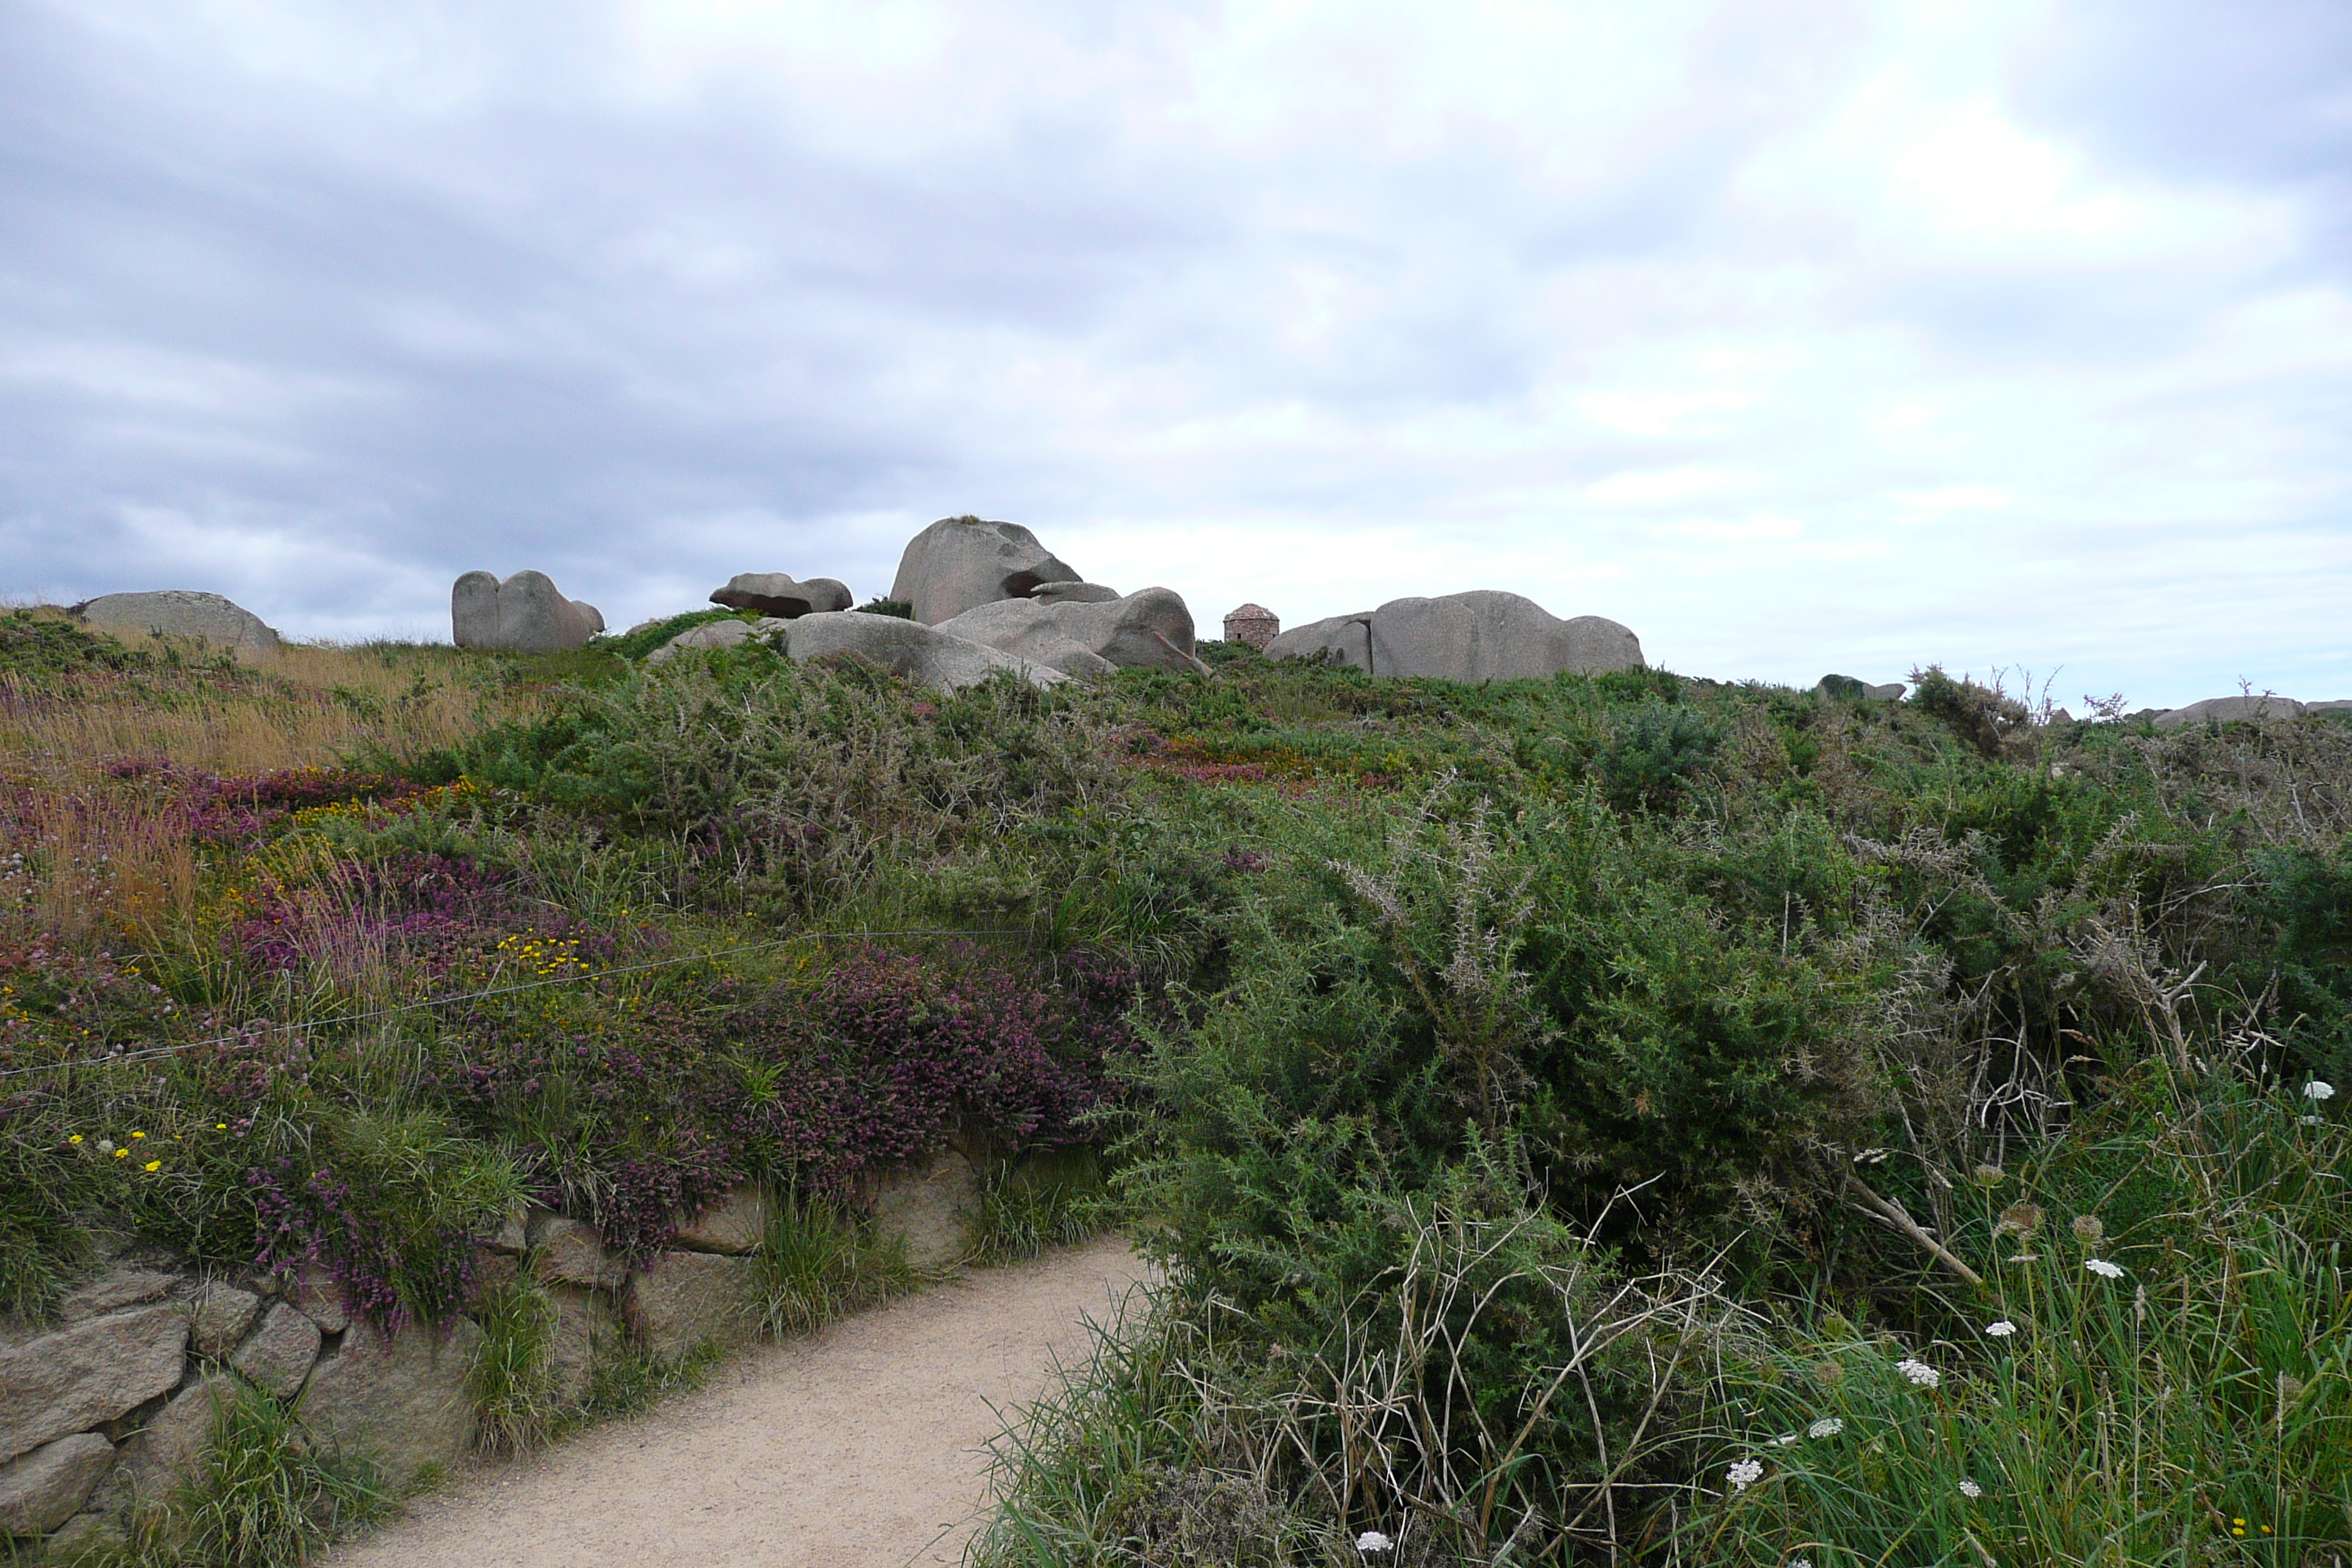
(1631, 1119)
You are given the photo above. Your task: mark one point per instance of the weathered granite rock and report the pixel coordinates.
(1076, 593)
(959, 562)
(222, 1314)
(926, 1203)
(1853, 689)
(1150, 629)
(87, 1373)
(525, 614)
(42, 1489)
(566, 1252)
(401, 1402)
(2228, 707)
(112, 1291)
(1484, 635)
(86, 1534)
(717, 634)
(320, 1297)
(279, 1358)
(736, 1222)
(586, 1322)
(510, 1233)
(2334, 706)
(169, 1448)
(775, 594)
(922, 654)
(686, 1300)
(179, 612)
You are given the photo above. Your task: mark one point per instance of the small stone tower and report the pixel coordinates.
(1252, 624)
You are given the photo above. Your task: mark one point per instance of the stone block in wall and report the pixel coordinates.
(321, 1296)
(586, 1322)
(401, 1402)
(86, 1374)
(566, 1252)
(112, 1291)
(42, 1489)
(169, 1448)
(735, 1223)
(925, 1205)
(510, 1231)
(686, 1300)
(279, 1358)
(223, 1315)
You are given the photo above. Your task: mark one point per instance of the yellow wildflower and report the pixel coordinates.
(75, 1139)
(155, 1165)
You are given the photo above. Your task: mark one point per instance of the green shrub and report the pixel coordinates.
(902, 608)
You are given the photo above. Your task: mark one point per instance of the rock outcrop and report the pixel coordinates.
(2228, 707)
(1856, 689)
(776, 593)
(924, 655)
(717, 634)
(1480, 635)
(960, 562)
(525, 614)
(180, 612)
(1147, 630)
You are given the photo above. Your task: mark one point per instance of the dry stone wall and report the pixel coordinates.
(106, 1409)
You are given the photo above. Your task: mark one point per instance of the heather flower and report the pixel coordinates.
(1827, 1426)
(1918, 1371)
(1373, 1540)
(2000, 1330)
(2103, 1269)
(1744, 1474)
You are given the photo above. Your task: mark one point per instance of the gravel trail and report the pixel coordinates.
(858, 1449)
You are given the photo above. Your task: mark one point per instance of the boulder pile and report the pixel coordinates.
(775, 594)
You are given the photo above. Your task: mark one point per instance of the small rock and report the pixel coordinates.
(717, 634)
(685, 1301)
(512, 1233)
(321, 1296)
(113, 1291)
(775, 594)
(179, 612)
(736, 1222)
(960, 562)
(42, 1489)
(58, 1383)
(223, 1315)
(91, 1534)
(525, 614)
(926, 1203)
(279, 1358)
(566, 1252)
(401, 1402)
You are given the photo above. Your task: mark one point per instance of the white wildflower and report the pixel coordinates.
(1920, 1372)
(1827, 1426)
(2103, 1269)
(1373, 1540)
(1969, 1488)
(2319, 1088)
(1801, 1563)
(1784, 1441)
(2002, 1329)
(1744, 1474)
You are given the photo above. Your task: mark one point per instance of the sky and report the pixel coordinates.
(1801, 337)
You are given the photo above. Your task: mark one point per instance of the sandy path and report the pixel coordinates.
(859, 1449)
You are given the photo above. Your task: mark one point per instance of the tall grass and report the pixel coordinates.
(820, 1262)
(266, 1497)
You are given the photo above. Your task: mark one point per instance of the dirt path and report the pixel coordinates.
(859, 1449)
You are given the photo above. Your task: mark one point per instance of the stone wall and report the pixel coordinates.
(105, 1408)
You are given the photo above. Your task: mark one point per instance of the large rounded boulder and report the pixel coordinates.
(180, 612)
(960, 562)
(525, 614)
(1150, 629)
(1484, 635)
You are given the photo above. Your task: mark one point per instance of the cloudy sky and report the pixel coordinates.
(1799, 336)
